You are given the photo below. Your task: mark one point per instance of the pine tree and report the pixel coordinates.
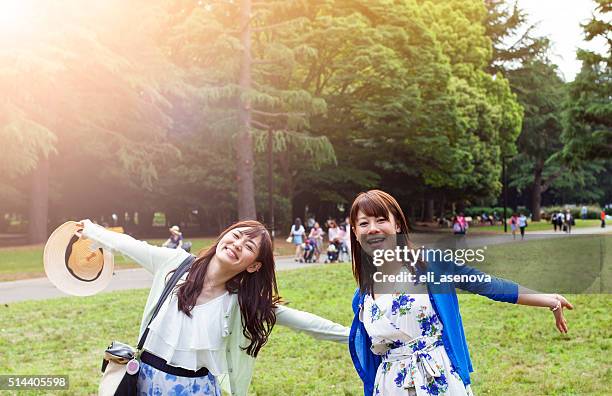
(83, 91)
(588, 117)
(242, 72)
(513, 40)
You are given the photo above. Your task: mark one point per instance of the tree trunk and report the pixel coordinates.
(271, 220)
(244, 141)
(536, 190)
(39, 203)
(288, 188)
(422, 209)
(442, 205)
(145, 221)
(429, 210)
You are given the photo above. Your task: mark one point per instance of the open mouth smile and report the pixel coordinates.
(375, 240)
(231, 253)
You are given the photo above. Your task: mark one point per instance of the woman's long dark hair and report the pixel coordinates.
(257, 291)
(375, 203)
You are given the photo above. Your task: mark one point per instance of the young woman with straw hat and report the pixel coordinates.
(209, 332)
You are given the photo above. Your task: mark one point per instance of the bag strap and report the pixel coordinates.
(180, 271)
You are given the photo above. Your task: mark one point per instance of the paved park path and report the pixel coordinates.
(124, 279)
(138, 278)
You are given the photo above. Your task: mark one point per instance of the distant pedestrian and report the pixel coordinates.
(560, 220)
(460, 225)
(603, 218)
(485, 218)
(297, 238)
(333, 232)
(346, 240)
(569, 222)
(553, 220)
(522, 222)
(583, 213)
(514, 220)
(310, 222)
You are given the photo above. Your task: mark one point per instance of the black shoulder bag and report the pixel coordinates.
(121, 363)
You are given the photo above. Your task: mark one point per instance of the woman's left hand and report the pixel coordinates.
(557, 309)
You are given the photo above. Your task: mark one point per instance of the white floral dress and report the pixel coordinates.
(407, 333)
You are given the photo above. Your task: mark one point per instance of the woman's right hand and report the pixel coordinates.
(81, 224)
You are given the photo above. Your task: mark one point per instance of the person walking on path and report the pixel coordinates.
(603, 218)
(310, 222)
(553, 220)
(460, 225)
(569, 222)
(560, 220)
(297, 238)
(522, 223)
(583, 212)
(346, 240)
(514, 220)
(412, 341)
(208, 333)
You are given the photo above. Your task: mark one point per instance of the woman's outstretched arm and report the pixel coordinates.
(311, 324)
(150, 257)
(499, 289)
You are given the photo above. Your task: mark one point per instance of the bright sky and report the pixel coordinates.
(560, 21)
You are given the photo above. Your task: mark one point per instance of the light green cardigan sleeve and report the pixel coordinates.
(311, 324)
(241, 365)
(150, 257)
(157, 260)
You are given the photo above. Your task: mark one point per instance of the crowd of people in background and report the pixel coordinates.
(309, 241)
(312, 245)
(565, 221)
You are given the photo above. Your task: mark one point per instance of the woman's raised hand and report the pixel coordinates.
(81, 225)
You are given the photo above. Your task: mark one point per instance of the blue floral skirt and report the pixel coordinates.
(154, 382)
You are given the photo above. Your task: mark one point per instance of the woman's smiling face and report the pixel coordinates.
(238, 250)
(374, 233)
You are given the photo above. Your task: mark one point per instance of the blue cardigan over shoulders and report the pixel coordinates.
(443, 298)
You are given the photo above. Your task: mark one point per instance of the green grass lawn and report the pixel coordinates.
(535, 226)
(568, 264)
(515, 350)
(26, 261)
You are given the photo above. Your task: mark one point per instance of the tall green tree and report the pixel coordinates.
(541, 92)
(408, 97)
(78, 88)
(512, 37)
(206, 40)
(587, 130)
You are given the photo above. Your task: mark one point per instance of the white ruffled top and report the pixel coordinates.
(196, 342)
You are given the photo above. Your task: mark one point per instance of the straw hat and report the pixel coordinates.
(175, 230)
(73, 265)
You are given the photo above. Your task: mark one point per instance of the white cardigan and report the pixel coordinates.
(159, 261)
